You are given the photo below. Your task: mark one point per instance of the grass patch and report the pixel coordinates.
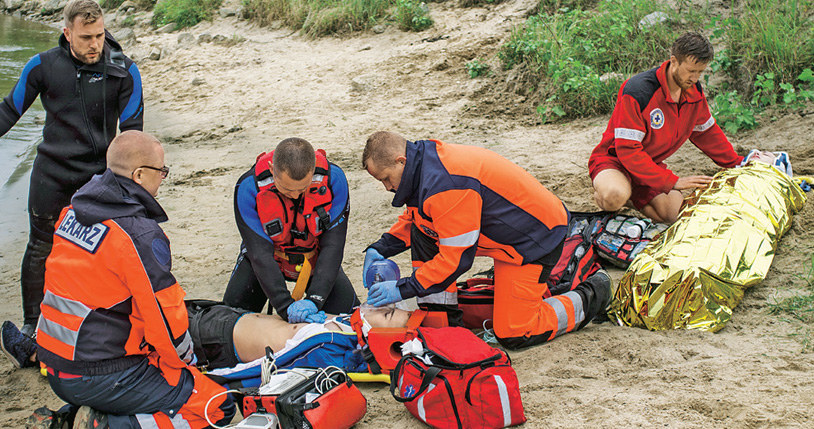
(320, 17)
(800, 308)
(766, 36)
(766, 63)
(576, 53)
(184, 13)
(580, 57)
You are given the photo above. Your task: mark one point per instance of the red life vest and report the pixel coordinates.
(293, 226)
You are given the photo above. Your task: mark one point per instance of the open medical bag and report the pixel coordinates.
(450, 378)
(308, 398)
(620, 238)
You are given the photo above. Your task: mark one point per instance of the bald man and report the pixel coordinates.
(113, 323)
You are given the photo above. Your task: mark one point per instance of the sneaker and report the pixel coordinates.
(17, 346)
(43, 418)
(603, 288)
(88, 418)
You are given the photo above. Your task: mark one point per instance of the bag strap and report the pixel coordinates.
(429, 376)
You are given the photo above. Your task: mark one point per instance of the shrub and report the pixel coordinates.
(412, 15)
(731, 113)
(477, 68)
(734, 114)
(184, 13)
(580, 57)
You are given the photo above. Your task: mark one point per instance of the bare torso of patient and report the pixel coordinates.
(253, 332)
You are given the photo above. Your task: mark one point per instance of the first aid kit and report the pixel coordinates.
(620, 238)
(305, 398)
(450, 378)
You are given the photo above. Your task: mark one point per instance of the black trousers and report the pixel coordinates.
(244, 291)
(46, 198)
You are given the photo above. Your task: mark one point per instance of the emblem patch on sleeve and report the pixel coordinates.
(86, 237)
(656, 119)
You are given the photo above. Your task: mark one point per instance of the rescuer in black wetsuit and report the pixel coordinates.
(87, 86)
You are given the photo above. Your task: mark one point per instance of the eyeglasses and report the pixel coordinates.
(164, 170)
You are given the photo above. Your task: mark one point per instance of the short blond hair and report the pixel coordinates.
(86, 10)
(383, 147)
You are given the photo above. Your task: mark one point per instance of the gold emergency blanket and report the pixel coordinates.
(696, 272)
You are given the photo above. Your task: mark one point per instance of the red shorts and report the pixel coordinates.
(640, 195)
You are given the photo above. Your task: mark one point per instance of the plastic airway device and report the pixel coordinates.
(382, 271)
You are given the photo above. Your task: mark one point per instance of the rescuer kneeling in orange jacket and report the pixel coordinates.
(465, 201)
(113, 331)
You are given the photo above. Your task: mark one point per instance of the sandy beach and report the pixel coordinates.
(217, 105)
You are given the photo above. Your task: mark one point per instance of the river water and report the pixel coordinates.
(19, 41)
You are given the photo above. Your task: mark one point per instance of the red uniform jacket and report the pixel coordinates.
(647, 127)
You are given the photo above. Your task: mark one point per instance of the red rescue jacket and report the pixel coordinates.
(647, 126)
(293, 228)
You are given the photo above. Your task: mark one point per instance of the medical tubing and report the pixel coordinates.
(206, 408)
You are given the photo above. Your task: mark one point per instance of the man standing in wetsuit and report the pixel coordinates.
(87, 87)
(291, 210)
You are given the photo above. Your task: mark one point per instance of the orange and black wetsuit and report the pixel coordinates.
(465, 201)
(112, 308)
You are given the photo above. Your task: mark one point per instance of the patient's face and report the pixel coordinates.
(386, 317)
(764, 157)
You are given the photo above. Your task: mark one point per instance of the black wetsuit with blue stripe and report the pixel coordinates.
(83, 104)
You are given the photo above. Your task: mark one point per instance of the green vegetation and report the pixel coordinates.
(184, 13)
(114, 4)
(110, 4)
(129, 21)
(576, 53)
(733, 113)
(766, 65)
(552, 6)
(319, 17)
(767, 36)
(477, 68)
(579, 58)
(800, 308)
(412, 15)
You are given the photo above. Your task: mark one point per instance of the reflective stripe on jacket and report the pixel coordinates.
(475, 203)
(647, 126)
(110, 298)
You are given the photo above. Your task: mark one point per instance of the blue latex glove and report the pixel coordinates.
(371, 255)
(299, 311)
(318, 317)
(384, 293)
